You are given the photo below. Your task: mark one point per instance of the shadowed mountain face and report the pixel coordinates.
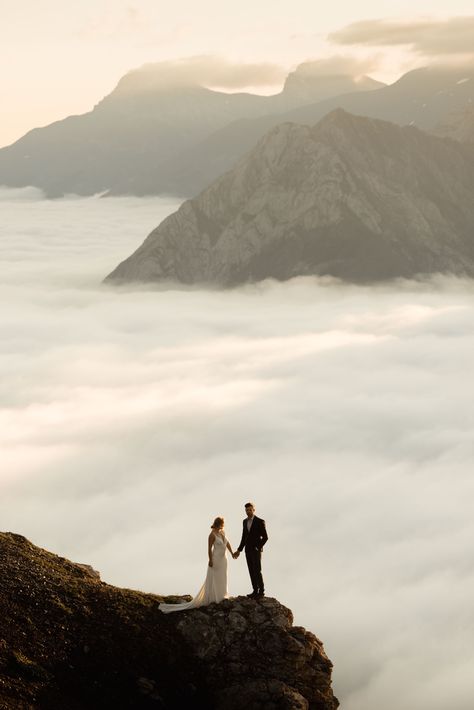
(128, 144)
(459, 125)
(70, 641)
(352, 197)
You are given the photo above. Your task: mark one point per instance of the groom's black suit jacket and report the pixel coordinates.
(254, 539)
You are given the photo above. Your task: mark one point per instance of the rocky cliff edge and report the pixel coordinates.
(70, 641)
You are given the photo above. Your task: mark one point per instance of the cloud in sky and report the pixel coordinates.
(140, 26)
(100, 41)
(206, 70)
(430, 37)
(131, 417)
(340, 64)
(218, 72)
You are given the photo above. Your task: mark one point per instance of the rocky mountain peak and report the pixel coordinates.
(311, 79)
(433, 78)
(286, 138)
(154, 77)
(352, 197)
(339, 120)
(339, 129)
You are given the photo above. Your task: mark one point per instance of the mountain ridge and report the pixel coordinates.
(422, 97)
(352, 197)
(127, 143)
(175, 140)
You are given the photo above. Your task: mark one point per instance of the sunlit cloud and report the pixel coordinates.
(426, 36)
(205, 70)
(340, 64)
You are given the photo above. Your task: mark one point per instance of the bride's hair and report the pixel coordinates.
(218, 523)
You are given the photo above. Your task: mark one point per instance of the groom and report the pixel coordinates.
(254, 537)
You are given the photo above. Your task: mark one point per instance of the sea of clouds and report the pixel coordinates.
(131, 417)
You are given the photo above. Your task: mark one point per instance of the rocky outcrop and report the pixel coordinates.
(351, 197)
(68, 640)
(309, 81)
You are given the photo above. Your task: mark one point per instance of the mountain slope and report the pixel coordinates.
(459, 125)
(423, 97)
(128, 142)
(72, 642)
(352, 197)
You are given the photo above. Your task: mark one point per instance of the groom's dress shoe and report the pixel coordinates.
(259, 595)
(253, 595)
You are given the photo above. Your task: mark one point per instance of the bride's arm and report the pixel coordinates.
(210, 543)
(229, 548)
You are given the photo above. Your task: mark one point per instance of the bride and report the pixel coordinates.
(214, 588)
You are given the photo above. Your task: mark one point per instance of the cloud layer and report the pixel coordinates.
(131, 418)
(430, 37)
(338, 64)
(209, 71)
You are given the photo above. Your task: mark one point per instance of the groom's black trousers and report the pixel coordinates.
(254, 563)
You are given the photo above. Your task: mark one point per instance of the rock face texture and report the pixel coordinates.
(351, 197)
(70, 641)
(308, 82)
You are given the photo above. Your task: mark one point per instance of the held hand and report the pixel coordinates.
(236, 554)
(210, 563)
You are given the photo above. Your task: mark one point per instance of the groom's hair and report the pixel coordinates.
(249, 505)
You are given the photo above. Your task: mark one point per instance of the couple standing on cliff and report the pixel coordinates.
(214, 589)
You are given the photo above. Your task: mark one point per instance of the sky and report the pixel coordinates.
(60, 58)
(130, 418)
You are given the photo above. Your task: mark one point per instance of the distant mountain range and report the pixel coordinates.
(423, 97)
(131, 141)
(149, 138)
(352, 197)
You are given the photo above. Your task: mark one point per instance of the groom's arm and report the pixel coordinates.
(242, 542)
(263, 534)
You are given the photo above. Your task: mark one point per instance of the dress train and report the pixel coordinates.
(214, 588)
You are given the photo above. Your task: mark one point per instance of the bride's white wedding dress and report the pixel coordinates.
(214, 588)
